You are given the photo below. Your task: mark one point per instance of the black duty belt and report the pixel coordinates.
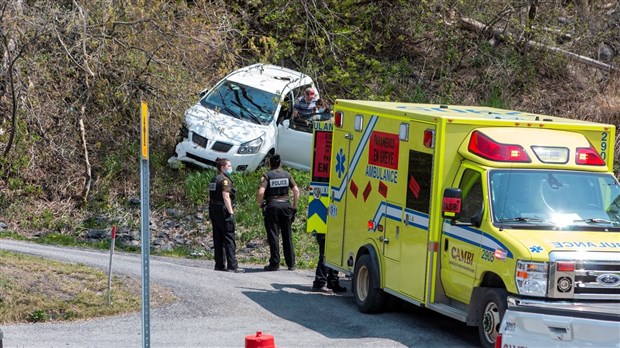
(277, 200)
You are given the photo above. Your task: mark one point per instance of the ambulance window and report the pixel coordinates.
(472, 202)
(419, 181)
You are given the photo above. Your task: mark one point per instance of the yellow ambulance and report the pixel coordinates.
(461, 208)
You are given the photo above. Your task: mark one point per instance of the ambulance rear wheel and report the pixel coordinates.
(493, 307)
(369, 297)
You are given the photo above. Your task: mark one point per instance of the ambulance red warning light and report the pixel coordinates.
(429, 138)
(371, 225)
(338, 119)
(566, 266)
(588, 156)
(486, 147)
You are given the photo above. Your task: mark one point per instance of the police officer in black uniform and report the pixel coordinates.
(221, 198)
(273, 198)
(325, 278)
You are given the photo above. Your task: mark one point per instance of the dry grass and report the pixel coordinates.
(34, 289)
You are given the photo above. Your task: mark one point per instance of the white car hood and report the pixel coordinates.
(220, 127)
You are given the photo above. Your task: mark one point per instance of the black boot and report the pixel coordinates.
(337, 288)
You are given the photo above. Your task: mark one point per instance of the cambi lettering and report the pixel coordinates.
(382, 173)
(463, 255)
(583, 244)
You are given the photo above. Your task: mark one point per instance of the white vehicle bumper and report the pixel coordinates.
(190, 152)
(554, 326)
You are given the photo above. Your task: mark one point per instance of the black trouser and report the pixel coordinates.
(278, 221)
(324, 276)
(223, 237)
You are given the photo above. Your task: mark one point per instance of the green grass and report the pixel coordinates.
(197, 186)
(249, 218)
(12, 235)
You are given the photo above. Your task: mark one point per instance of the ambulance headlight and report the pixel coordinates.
(532, 278)
(251, 147)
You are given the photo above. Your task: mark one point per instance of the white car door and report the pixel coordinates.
(294, 139)
(294, 144)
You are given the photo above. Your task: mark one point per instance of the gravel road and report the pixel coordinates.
(219, 309)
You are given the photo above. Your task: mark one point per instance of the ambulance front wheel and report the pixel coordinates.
(493, 307)
(369, 297)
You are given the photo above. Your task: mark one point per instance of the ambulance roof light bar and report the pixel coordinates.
(588, 156)
(551, 154)
(486, 147)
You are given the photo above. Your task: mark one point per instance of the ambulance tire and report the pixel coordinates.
(369, 297)
(492, 309)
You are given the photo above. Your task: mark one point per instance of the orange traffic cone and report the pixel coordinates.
(259, 341)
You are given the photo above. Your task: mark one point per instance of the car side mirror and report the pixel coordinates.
(451, 204)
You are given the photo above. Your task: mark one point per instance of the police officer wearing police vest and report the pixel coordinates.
(273, 198)
(221, 199)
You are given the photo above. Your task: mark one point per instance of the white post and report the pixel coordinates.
(110, 267)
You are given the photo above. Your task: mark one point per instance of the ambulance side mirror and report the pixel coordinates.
(451, 204)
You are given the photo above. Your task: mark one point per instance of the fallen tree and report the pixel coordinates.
(504, 35)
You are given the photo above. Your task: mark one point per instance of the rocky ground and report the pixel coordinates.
(169, 229)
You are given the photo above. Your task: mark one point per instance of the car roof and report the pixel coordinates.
(268, 77)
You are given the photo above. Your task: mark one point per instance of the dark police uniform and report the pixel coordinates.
(278, 215)
(223, 226)
(325, 277)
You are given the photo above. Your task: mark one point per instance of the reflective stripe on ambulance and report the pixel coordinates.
(475, 237)
(317, 208)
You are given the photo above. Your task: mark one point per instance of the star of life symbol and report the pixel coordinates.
(340, 163)
(536, 249)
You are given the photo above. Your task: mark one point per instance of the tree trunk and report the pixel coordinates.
(88, 171)
(501, 34)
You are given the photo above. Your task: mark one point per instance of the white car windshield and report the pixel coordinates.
(241, 101)
(555, 198)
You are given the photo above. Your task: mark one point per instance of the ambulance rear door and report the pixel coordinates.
(318, 200)
(339, 179)
(417, 157)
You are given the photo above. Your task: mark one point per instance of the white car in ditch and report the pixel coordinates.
(246, 118)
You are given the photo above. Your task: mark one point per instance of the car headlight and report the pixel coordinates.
(251, 147)
(184, 131)
(532, 278)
